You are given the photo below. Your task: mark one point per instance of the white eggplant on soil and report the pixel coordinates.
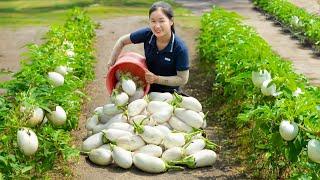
(195, 146)
(149, 134)
(92, 142)
(138, 119)
(190, 117)
(58, 117)
(179, 125)
(37, 117)
(56, 79)
(92, 122)
(157, 106)
(114, 119)
(158, 96)
(111, 109)
(288, 131)
(121, 99)
(191, 103)
(163, 129)
(173, 154)
(128, 86)
(150, 149)
(137, 95)
(113, 134)
(122, 126)
(199, 159)
(136, 107)
(174, 140)
(101, 156)
(130, 142)
(152, 164)
(314, 150)
(122, 157)
(98, 111)
(163, 116)
(27, 141)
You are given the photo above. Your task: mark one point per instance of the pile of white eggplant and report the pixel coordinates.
(156, 132)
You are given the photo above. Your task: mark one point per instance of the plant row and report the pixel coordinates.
(43, 100)
(275, 109)
(302, 24)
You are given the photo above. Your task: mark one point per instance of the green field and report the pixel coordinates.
(36, 12)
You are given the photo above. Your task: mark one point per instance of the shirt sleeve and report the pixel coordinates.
(182, 60)
(140, 35)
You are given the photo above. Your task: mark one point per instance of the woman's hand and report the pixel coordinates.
(150, 77)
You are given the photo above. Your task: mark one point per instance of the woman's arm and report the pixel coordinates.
(122, 41)
(180, 79)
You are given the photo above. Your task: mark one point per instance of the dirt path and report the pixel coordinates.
(312, 6)
(12, 45)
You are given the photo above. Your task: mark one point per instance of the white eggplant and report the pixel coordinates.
(137, 95)
(204, 125)
(56, 79)
(100, 156)
(130, 142)
(27, 141)
(179, 125)
(259, 77)
(37, 117)
(314, 150)
(158, 96)
(114, 134)
(122, 126)
(173, 154)
(151, 164)
(116, 118)
(121, 99)
(111, 109)
(58, 117)
(288, 131)
(191, 103)
(63, 70)
(122, 157)
(163, 129)
(92, 122)
(150, 134)
(174, 140)
(136, 107)
(92, 142)
(128, 86)
(269, 90)
(98, 111)
(195, 146)
(190, 117)
(199, 159)
(150, 149)
(161, 117)
(138, 119)
(156, 106)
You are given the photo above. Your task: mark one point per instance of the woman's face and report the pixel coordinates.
(160, 24)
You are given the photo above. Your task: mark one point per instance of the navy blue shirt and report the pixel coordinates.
(166, 62)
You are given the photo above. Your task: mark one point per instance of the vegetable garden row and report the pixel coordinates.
(277, 109)
(302, 24)
(43, 101)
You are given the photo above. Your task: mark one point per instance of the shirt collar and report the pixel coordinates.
(168, 48)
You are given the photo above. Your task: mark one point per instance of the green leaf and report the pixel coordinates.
(25, 169)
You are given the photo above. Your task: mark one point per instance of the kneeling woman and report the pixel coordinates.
(166, 54)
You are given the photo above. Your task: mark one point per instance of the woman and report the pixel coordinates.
(166, 54)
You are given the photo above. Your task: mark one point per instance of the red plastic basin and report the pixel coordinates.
(129, 62)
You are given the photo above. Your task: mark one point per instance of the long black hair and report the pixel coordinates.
(165, 8)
